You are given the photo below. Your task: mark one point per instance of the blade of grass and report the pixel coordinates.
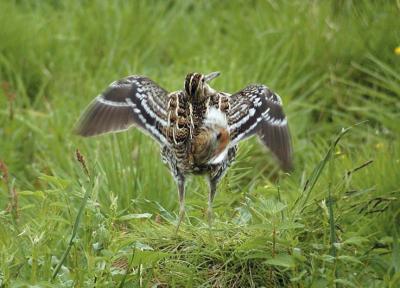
(78, 218)
(309, 186)
(332, 230)
(122, 283)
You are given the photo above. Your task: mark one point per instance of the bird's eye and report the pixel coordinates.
(202, 80)
(219, 135)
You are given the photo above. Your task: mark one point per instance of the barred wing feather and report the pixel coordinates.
(257, 110)
(134, 100)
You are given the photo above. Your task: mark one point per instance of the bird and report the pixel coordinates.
(198, 128)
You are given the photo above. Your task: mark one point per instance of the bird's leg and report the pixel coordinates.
(213, 188)
(181, 193)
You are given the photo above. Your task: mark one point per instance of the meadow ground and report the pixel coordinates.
(334, 221)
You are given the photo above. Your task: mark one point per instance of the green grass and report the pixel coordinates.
(334, 221)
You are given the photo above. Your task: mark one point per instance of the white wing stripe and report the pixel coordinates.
(151, 128)
(238, 137)
(152, 114)
(144, 93)
(278, 122)
(265, 114)
(243, 120)
(128, 102)
(155, 104)
(111, 103)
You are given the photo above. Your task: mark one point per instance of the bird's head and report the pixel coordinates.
(197, 87)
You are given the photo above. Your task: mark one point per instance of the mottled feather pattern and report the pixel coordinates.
(179, 130)
(134, 100)
(198, 128)
(172, 119)
(257, 110)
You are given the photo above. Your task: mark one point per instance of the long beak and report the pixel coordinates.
(211, 76)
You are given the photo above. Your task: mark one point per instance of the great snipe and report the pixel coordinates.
(198, 128)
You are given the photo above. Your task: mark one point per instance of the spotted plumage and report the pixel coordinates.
(198, 128)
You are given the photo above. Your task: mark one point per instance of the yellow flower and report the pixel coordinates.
(397, 50)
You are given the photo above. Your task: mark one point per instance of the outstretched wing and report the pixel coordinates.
(258, 110)
(134, 100)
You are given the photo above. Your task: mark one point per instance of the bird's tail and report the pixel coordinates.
(217, 123)
(215, 119)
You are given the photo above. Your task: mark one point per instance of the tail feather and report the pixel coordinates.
(215, 118)
(217, 124)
